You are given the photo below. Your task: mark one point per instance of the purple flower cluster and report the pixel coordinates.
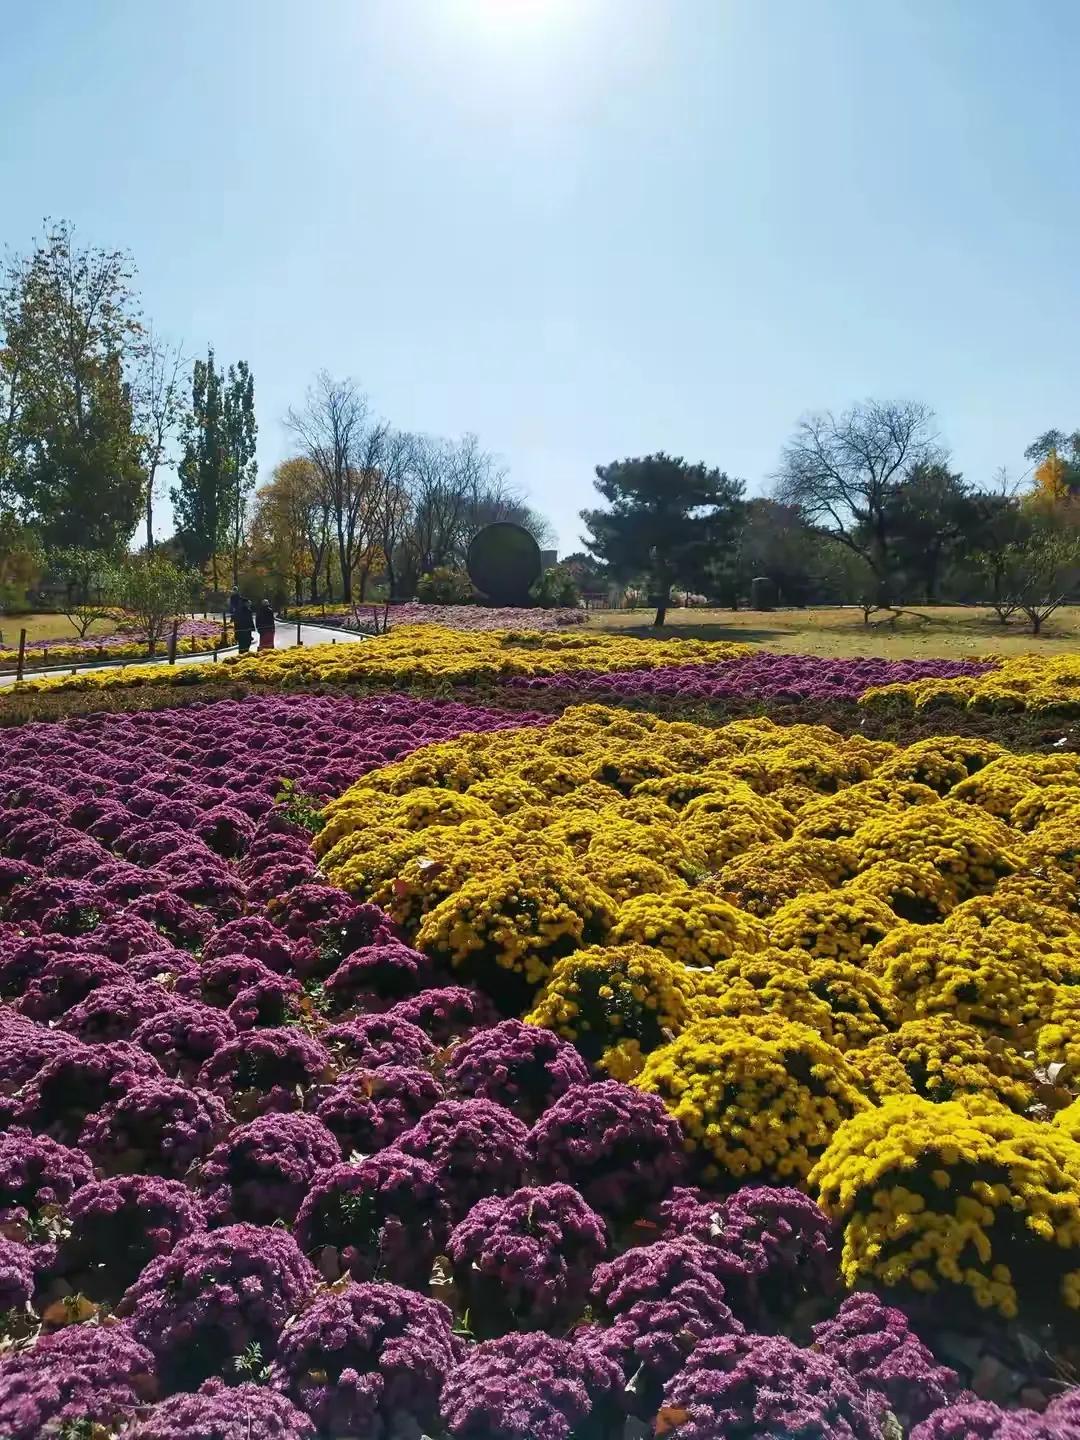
(619, 1147)
(384, 1217)
(761, 676)
(525, 1260)
(522, 1387)
(875, 1343)
(523, 1067)
(476, 1148)
(88, 1375)
(116, 1227)
(213, 1296)
(777, 1246)
(368, 1109)
(221, 1412)
(762, 1386)
(368, 1360)
(261, 1171)
(970, 1419)
(452, 1012)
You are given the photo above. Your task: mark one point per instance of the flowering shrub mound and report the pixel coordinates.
(77, 1081)
(35, 1174)
(368, 1109)
(875, 1344)
(759, 1096)
(16, 1275)
(1044, 683)
(619, 1148)
(384, 1216)
(523, 1067)
(374, 1040)
(367, 1359)
(220, 1412)
(161, 1124)
(959, 1194)
(262, 1171)
(476, 1148)
(214, 1295)
(451, 1012)
(273, 1068)
(521, 1387)
(74, 1381)
(525, 1261)
(760, 1386)
(116, 1227)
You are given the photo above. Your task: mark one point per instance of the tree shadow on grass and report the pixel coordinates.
(740, 634)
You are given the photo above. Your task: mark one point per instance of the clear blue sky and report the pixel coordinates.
(581, 228)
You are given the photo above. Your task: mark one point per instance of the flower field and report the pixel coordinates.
(380, 1066)
(194, 637)
(457, 617)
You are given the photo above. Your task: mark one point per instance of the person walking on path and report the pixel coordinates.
(244, 621)
(234, 602)
(265, 624)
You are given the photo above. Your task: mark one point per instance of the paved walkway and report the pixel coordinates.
(284, 640)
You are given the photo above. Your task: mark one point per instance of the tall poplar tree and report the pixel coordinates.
(201, 496)
(240, 431)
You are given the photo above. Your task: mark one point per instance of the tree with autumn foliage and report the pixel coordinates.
(290, 528)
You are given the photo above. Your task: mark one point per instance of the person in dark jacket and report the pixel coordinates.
(265, 624)
(234, 603)
(244, 621)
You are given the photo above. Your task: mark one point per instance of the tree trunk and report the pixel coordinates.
(663, 599)
(1036, 621)
(150, 513)
(329, 579)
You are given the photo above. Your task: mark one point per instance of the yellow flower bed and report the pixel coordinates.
(430, 655)
(1022, 682)
(959, 1194)
(756, 1096)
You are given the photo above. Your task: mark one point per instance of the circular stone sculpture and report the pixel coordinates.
(504, 562)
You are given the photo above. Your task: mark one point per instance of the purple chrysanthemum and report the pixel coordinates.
(77, 1081)
(157, 1126)
(374, 1040)
(779, 1245)
(524, 1261)
(64, 981)
(16, 1275)
(36, 1173)
(224, 1412)
(262, 1171)
(182, 1037)
(618, 1146)
(875, 1343)
(86, 1375)
(213, 1296)
(449, 1013)
(256, 938)
(219, 981)
(368, 1360)
(476, 1147)
(116, 1227)
(113, 1012)
(368, 1109)
(273, 1067)
(383, 1218)
(270, 1003)
(522, 1387)
(763, 1385)
(378, 976)
(523, 1067)
(972, 1419)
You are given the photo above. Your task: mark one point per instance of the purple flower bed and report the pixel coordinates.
(761, 676)
(269, 1140)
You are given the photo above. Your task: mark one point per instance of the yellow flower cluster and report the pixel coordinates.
(940, 1058)
(1021, 682)
(756, 1096)
(963, 1194)
(617, 1004)
(1058, 1040)
(88, 653)
(430, 655)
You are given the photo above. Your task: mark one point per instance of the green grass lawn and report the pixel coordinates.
(45, 625)
(946, 631)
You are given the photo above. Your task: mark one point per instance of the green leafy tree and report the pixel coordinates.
(929, 519)
(240, 431)
(21, 560)
(155, 592)
(91, 585)
(668, 519)
(69, 453)
(201, 496)
(1044, 569)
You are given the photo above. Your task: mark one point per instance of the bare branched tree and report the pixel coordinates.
(157, 403)
(843, 470)
(332, 430)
